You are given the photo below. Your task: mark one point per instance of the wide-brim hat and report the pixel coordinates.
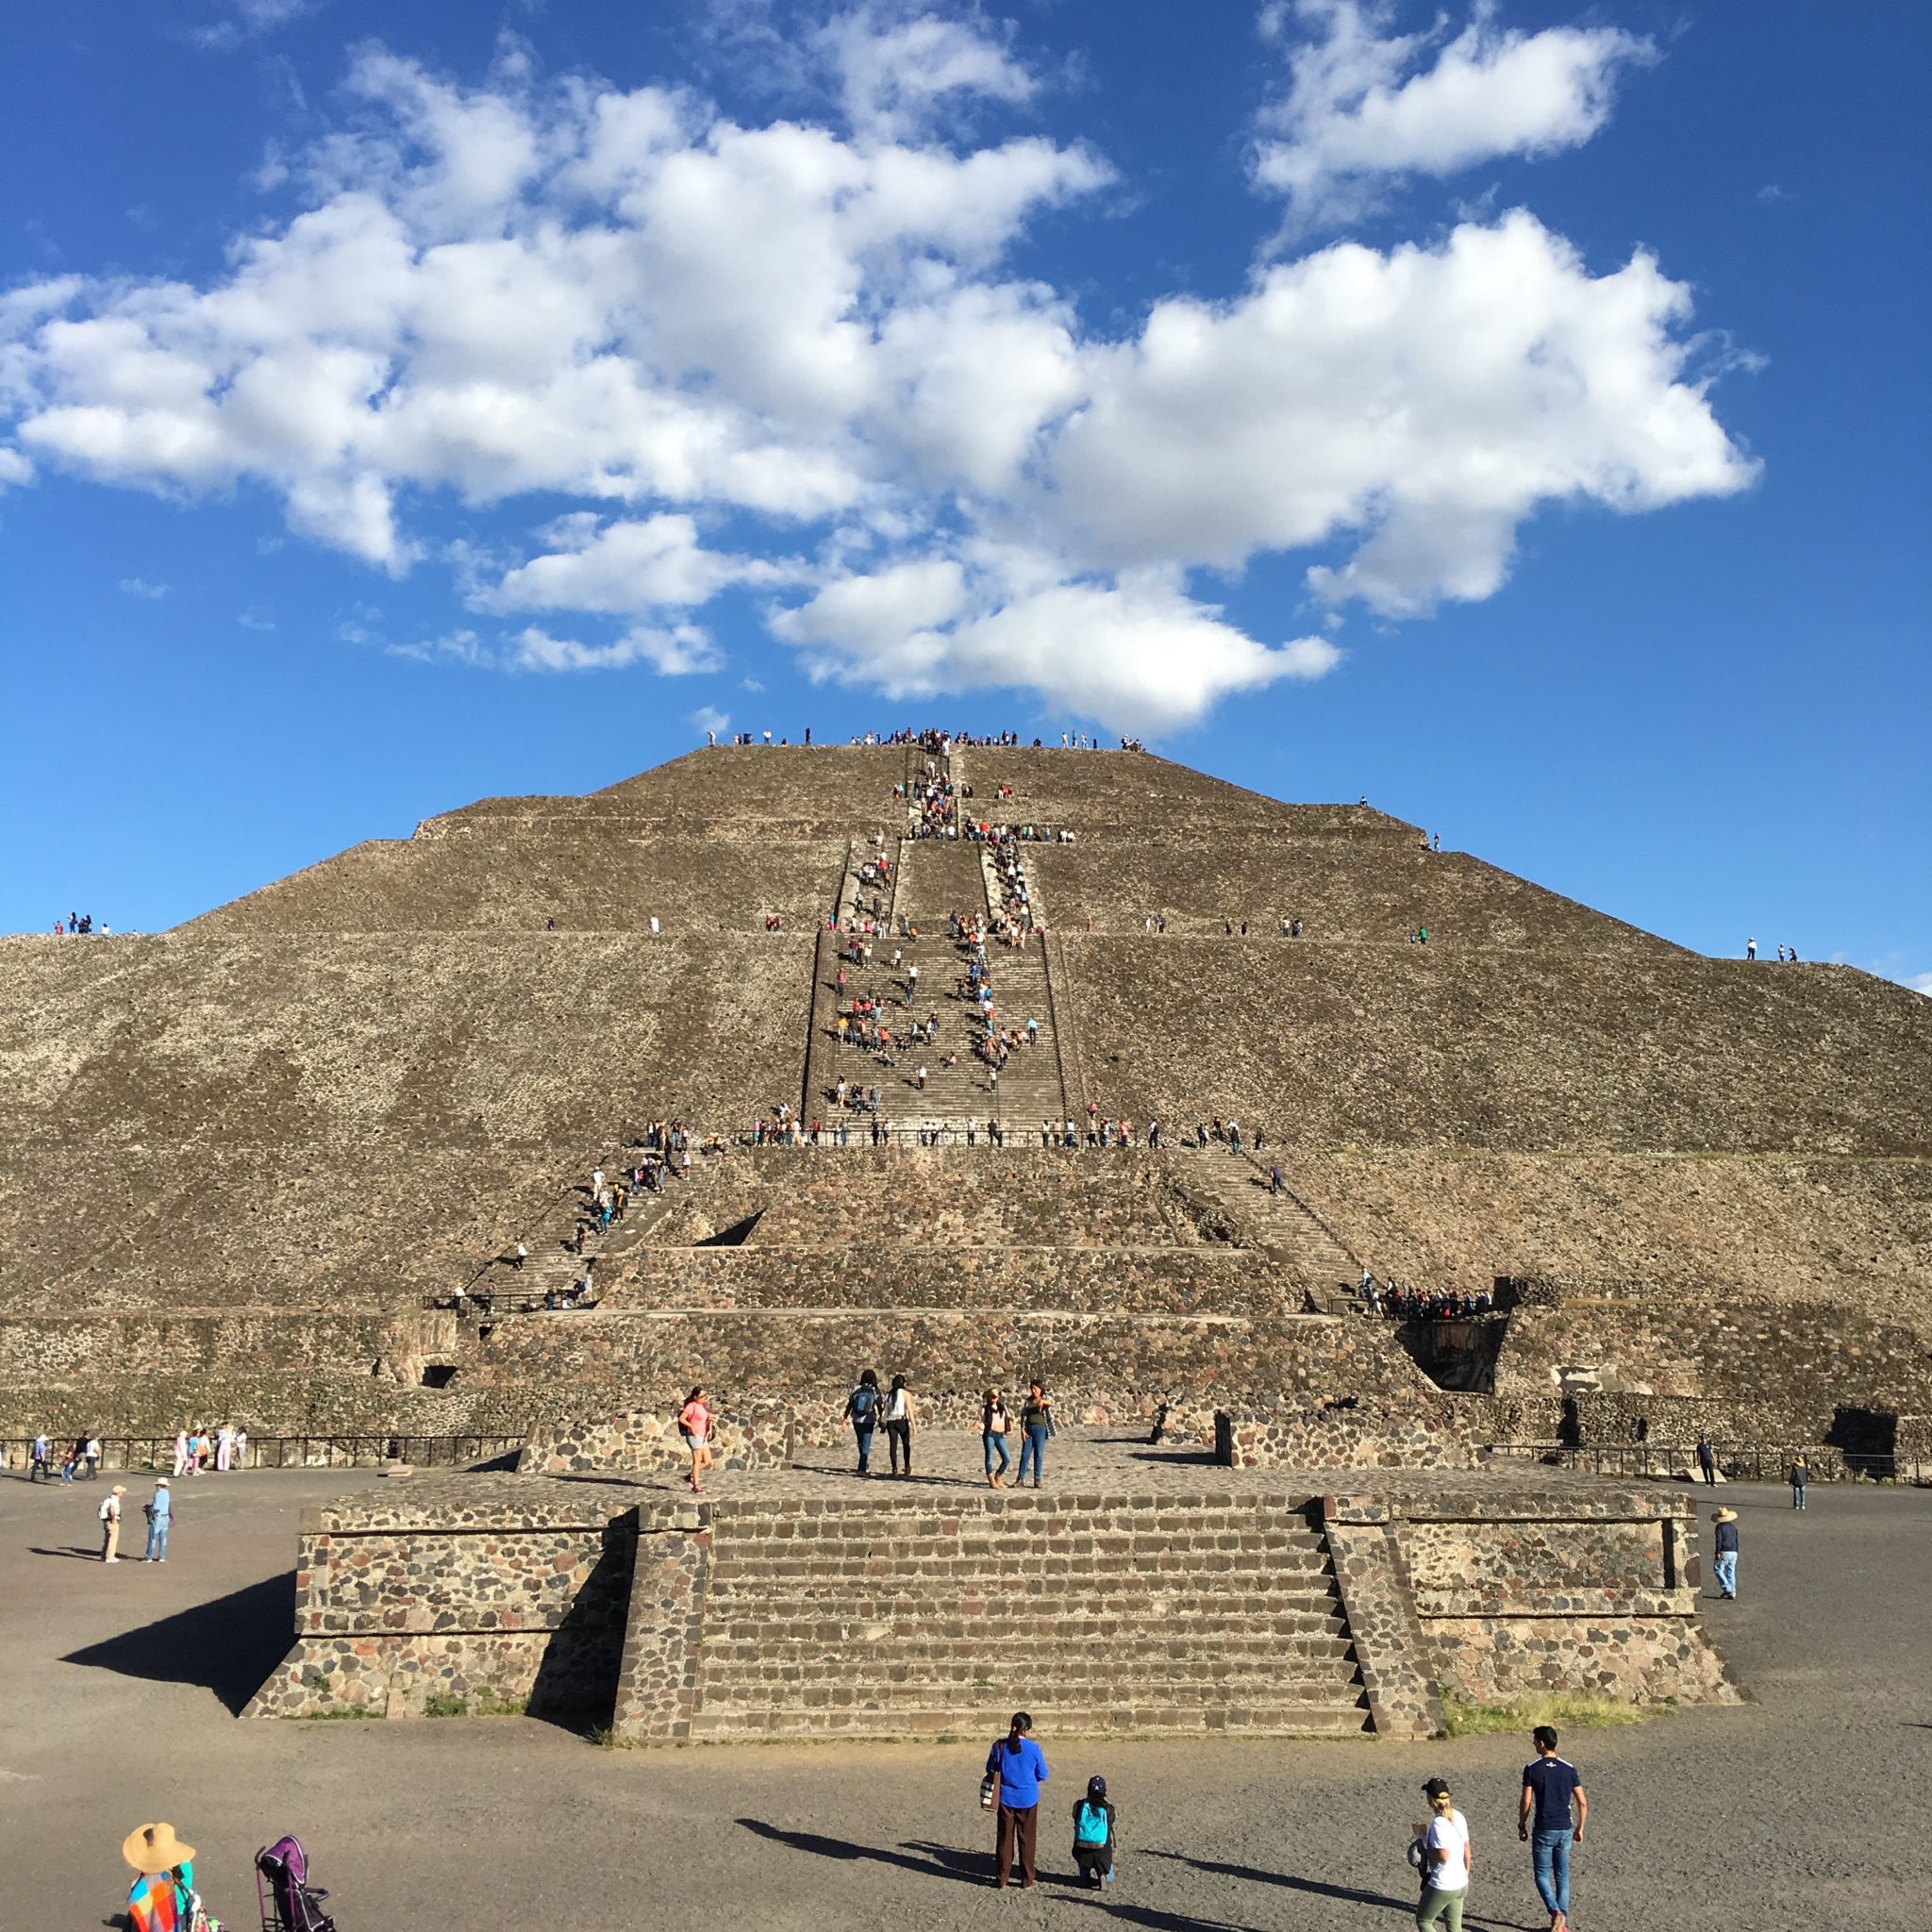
(155, 1848)
(1725, 1516)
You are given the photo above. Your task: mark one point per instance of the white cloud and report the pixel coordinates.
(1362, 108)
(248, 20)
(1428, 399)
(675, 652)
(1919, 982)
(1136, 652)
(256, 618)
(142, 588)
(669, 325)
(895, 69)
(622, 567)
(709, 719)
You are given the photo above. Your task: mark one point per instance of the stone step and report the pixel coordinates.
(1013, 1647)
(899, 1717)
(1083, 1542)
(770, 1604)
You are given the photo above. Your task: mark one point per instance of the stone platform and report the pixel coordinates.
(1141, 1589)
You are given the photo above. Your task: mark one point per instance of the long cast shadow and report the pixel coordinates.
(1348, 1894)
(824, 1847)
(228, 1646)
(88, 1553)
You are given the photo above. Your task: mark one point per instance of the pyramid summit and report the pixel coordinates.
(250, 1163)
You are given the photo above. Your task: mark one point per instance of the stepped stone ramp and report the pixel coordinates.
(1406, 1046)
(917, 1617)
(1351, 888)
(601, 875)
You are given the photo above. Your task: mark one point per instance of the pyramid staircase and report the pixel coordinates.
(1283, 1224)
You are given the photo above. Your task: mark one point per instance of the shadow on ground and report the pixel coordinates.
(940, 1862)
(228, 1646)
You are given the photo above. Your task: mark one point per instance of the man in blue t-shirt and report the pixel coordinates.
(1020, 1766)
(1549, 1786)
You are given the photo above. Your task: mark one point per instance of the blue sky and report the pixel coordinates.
(1516, 414)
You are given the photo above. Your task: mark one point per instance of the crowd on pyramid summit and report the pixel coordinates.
(81, 922)
(934, 740)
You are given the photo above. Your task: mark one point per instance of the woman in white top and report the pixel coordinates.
(1446, 1862)
(899, 1425)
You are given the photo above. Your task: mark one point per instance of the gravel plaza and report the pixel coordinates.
(120, 1692)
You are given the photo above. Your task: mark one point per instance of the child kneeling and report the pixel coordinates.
(1093, 1835)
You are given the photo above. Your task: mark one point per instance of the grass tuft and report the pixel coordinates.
(339, 1710)
(442, 1703)
(1567, 1710)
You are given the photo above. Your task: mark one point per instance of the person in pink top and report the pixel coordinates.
(694, 1425)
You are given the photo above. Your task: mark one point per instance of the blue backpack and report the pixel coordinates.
(1091, 1825)
(865, 1405)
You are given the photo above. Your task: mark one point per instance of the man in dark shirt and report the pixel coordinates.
(1725, 1548)
(1549, 1785)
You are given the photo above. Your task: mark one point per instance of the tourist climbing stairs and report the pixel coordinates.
(920, 1614)
(1282, 1223)
(553, 1265)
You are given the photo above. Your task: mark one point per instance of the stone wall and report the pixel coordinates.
(1083, 1358)
(1561, 1588)
(57, 1348)
(1023, 1280)
(1778, 1370)
(1418, 1434)
(486, 1588)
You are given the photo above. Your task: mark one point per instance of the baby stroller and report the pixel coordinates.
(289, 1902)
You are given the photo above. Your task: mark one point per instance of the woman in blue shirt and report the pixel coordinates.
(1020, 1766)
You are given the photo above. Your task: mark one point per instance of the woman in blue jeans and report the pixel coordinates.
(1036, 1426)
(993, 1425)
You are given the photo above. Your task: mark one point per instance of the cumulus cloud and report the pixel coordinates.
(800, 360)
(1364, 105)
(140, 588)
(709, 719)
(897, 69)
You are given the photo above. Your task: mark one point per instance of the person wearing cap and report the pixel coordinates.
(1093, 1834)
(160, 1512)
(1445, 1862)
(1724, 1545)
(1020, 1766)
(111, 1523)
(162, 1897)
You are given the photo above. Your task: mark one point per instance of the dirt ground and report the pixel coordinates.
(117, 1689)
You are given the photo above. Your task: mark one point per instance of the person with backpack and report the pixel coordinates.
(863, 1408)
(1015, 1769)
(1094, 1819)
(111, 1523)
(694, 1425)
(899, 1425)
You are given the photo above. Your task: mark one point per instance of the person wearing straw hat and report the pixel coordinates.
(162, 1898)
(111, 1523)
(1724, 1544)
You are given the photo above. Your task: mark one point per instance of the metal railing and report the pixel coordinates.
(282, 1452)
(1762, 1465)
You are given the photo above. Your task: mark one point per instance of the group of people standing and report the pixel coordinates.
(869, 1410)
(1552, 1812)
